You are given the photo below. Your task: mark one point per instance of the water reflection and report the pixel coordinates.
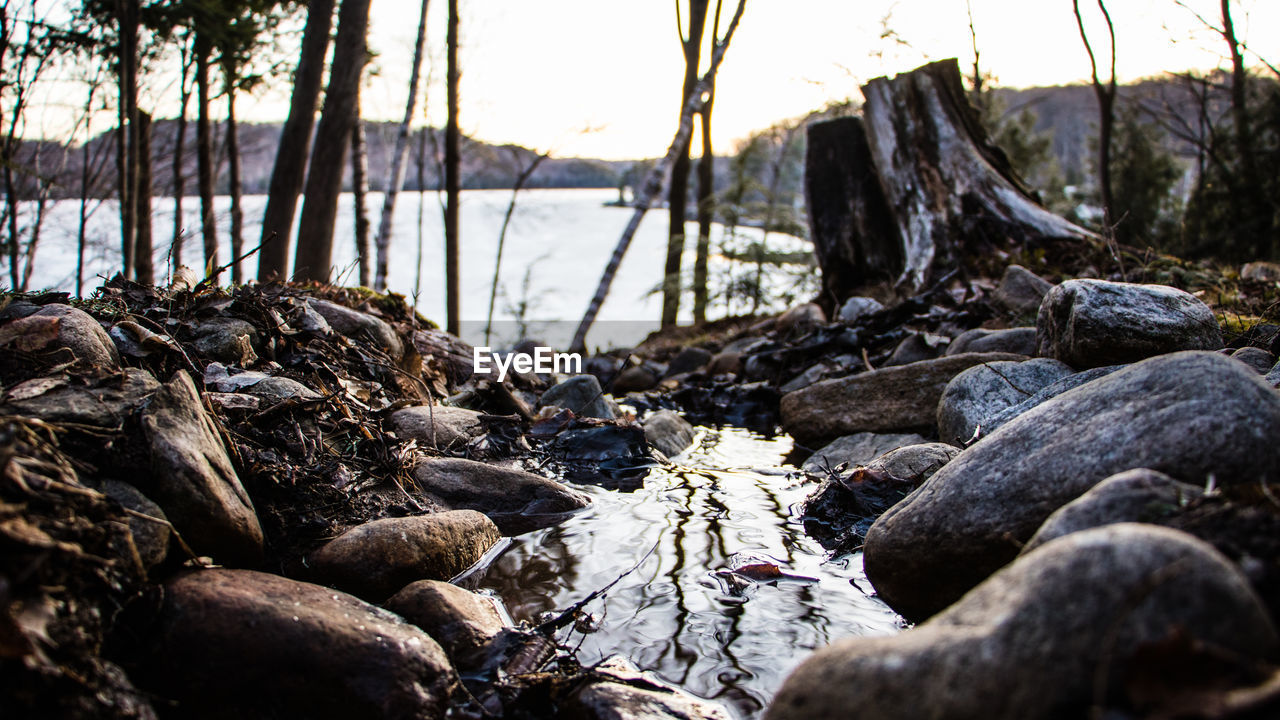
(717, 635)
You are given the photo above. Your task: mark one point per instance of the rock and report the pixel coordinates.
(150, 536)
(376, 559)
(1091, 323)
(580, 395)
(1042, 637)
(668, 432)
(1021, 291)
(1190, 415)
(856, 308)
(63, 327)
(274, 389)
(1141, 495)
(1273, 376)
(438, 426)
(1020, 341)
(1268, 272)
(230, 402)
(359, 326)
(238, 643)
(892, 399)
(194, 480)
(839, 513)
(227, 340)
(513, 499)
(984, 391)
(913, 348)
(800, 320)
(689, 360)
(811, 375)
(637, 378)
(621, 692)
(726, 362)
(856, 450)
(1051, 390)
(1256, 358)
(461, 621)
(105, 402)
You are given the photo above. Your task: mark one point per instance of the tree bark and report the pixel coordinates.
(678, 191)
(204, 153)
(451, 179)
(333, 138)
(395, 177)
(179, 177)
(706, 212)
(295, 141)
(949, 193)
(128, 22)
(652, 184)
(144, 269)
(1106, 94)
(233, 167)
(360, 192)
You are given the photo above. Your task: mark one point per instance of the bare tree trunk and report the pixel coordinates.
(295, 141)
(360, 192)
(678, 190)
(451, 179)
(652, 184)
(144, 252)
(333, 137)
(395, 177)
(521, 178)
(706, 211)
(179, 146)
(233, 168)
(127, 14)
(1239, 100)
(205, 169)
(1106, 94)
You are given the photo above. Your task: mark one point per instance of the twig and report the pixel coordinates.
(208, 280)
(567, 617)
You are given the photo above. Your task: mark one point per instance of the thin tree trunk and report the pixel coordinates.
(421, 162)
(84, 203)
(179, 175)
(204, 154)
(395, 177)
(521, 178)
(451, 180)
(144, 268)
(1106, 94)
(295, 141)
(706, 210)
(652, 184)
(360, 192)
(233, 168)
(1239, 98)
(127, 14)
(333, 138)
(678, 192)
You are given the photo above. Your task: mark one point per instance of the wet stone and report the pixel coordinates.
(515, 500)
(463, 622)
(668, 432)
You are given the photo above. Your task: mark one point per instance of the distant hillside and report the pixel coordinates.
(484, 166)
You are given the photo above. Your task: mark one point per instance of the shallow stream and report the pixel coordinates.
(727, 502)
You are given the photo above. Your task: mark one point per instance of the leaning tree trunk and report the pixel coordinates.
(205, 170)
(360, 196)
(950, 195)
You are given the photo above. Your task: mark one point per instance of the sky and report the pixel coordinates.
(601, 78)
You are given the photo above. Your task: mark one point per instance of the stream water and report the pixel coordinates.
(727, 501)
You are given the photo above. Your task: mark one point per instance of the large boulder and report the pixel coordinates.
(359, 326)
(238, 643)
(1140, 495)
(895, 399)
(378, 558)
(983, 391)
(193, 478)
(438, 426)
(580, 395)
(514, 499)
(1190, 415)
(1090, 323)
(1052, 636)
(463, 622)
(857, 449)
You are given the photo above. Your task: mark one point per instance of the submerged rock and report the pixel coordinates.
(1190, 415)
(893, 399)
(374, 560)
(515, 500)
(238, 643)
(1091, 323)
(1043, 637)
(194, 480)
